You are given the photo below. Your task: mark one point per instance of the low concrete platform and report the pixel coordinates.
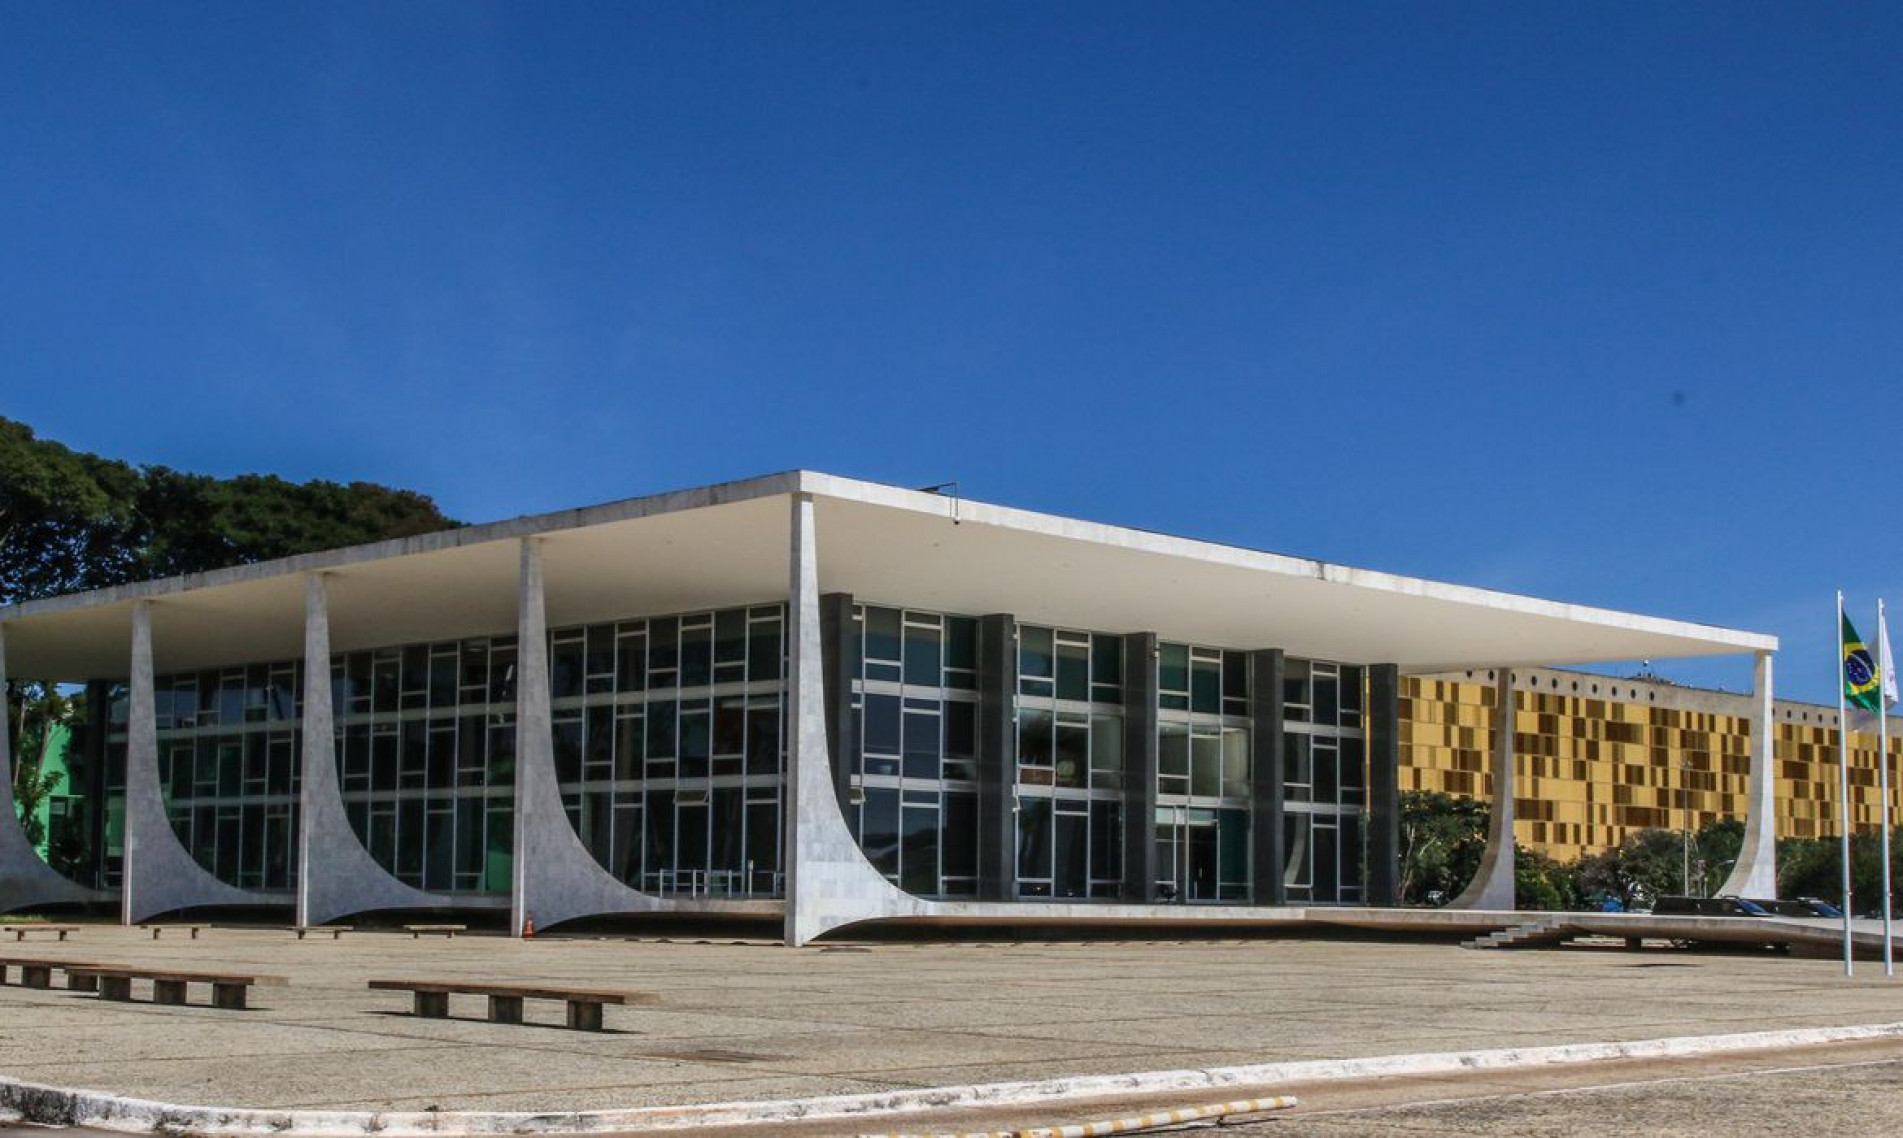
(1811, 936)
(743, 1021)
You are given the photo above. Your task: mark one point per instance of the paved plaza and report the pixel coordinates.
(754, 1020)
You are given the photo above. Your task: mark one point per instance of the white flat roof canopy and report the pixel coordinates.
(728, 545)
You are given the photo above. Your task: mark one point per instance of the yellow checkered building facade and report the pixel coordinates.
(1598, 758)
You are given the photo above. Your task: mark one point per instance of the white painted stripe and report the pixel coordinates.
(1132, 1125)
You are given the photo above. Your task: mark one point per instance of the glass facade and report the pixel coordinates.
(1070, 769)
(91, 850)
(228, 758)
(1324, 782)
(670, 747)
(667, 732)
(914, 770)
(1202, 774)
(669, 738)
(425, 738)
(915, 794)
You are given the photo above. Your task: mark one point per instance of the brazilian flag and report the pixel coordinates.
(1861, 682)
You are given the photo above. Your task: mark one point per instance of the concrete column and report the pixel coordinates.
(141, 754)
(1139, 767)
(1267, 668)
(336, 876)
(25, 880)
(997, 757)
(159, 874)
(318, 750)
(555, 877)
(808, 777)
(1492, 886)
(1381, 724)
(142, 760)
(1755, 872)
(829, 882)
(534, 743)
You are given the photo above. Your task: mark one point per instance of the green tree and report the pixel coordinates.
(31, 789)
(265, 517)
(1810, 868)
(1715, 851)
(1813, 867)
(71, 521)
(1647, 865)
(40, 707)
(1442, 841)
(61, 512)
(1540, 882)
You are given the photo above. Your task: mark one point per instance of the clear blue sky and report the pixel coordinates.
(1596, 302)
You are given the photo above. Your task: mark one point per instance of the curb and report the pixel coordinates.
(61, 1107)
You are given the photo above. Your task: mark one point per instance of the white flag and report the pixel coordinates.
(1889, 670)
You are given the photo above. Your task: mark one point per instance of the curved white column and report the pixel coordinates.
(1755, 872)
(1492, 885)
(829, 882)
(160, 874)
(556, 879)
(26, 881)
(336, 876)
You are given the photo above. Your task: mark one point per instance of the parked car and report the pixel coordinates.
(1707, 907)
(1800, 907)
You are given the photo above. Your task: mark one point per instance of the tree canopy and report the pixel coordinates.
(1443, 838)
(1442, 841)
(71, 521)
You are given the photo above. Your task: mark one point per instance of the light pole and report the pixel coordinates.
(1685, 804)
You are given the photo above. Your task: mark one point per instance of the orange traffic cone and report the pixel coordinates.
(528, 926)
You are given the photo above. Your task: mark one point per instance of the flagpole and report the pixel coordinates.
(1843, 780)
(1883, 773)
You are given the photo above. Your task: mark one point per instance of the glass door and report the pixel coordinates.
(1188, 854)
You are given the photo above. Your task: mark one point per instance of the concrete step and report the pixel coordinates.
(1544, 930)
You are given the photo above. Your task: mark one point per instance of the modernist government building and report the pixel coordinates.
(820, 701)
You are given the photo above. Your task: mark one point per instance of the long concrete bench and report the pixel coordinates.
(336, 931)
(38, 973)
(228, 990)
(157, 929)
(449, 931)
(19, 931)
(505, 1000)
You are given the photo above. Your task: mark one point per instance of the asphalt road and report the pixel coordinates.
(1844, 1089)
(1850, 1092)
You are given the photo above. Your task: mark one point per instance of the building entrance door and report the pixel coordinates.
(1187, 854)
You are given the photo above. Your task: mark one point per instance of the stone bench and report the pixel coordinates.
(157, 929)
(505, 1000)
(36, 973)
(435, 930)
(336, 931)
(19, 931)
(228, 990)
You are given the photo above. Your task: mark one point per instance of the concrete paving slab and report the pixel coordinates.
(772, 1022)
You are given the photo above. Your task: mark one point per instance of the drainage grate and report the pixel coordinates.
(711, 1055)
